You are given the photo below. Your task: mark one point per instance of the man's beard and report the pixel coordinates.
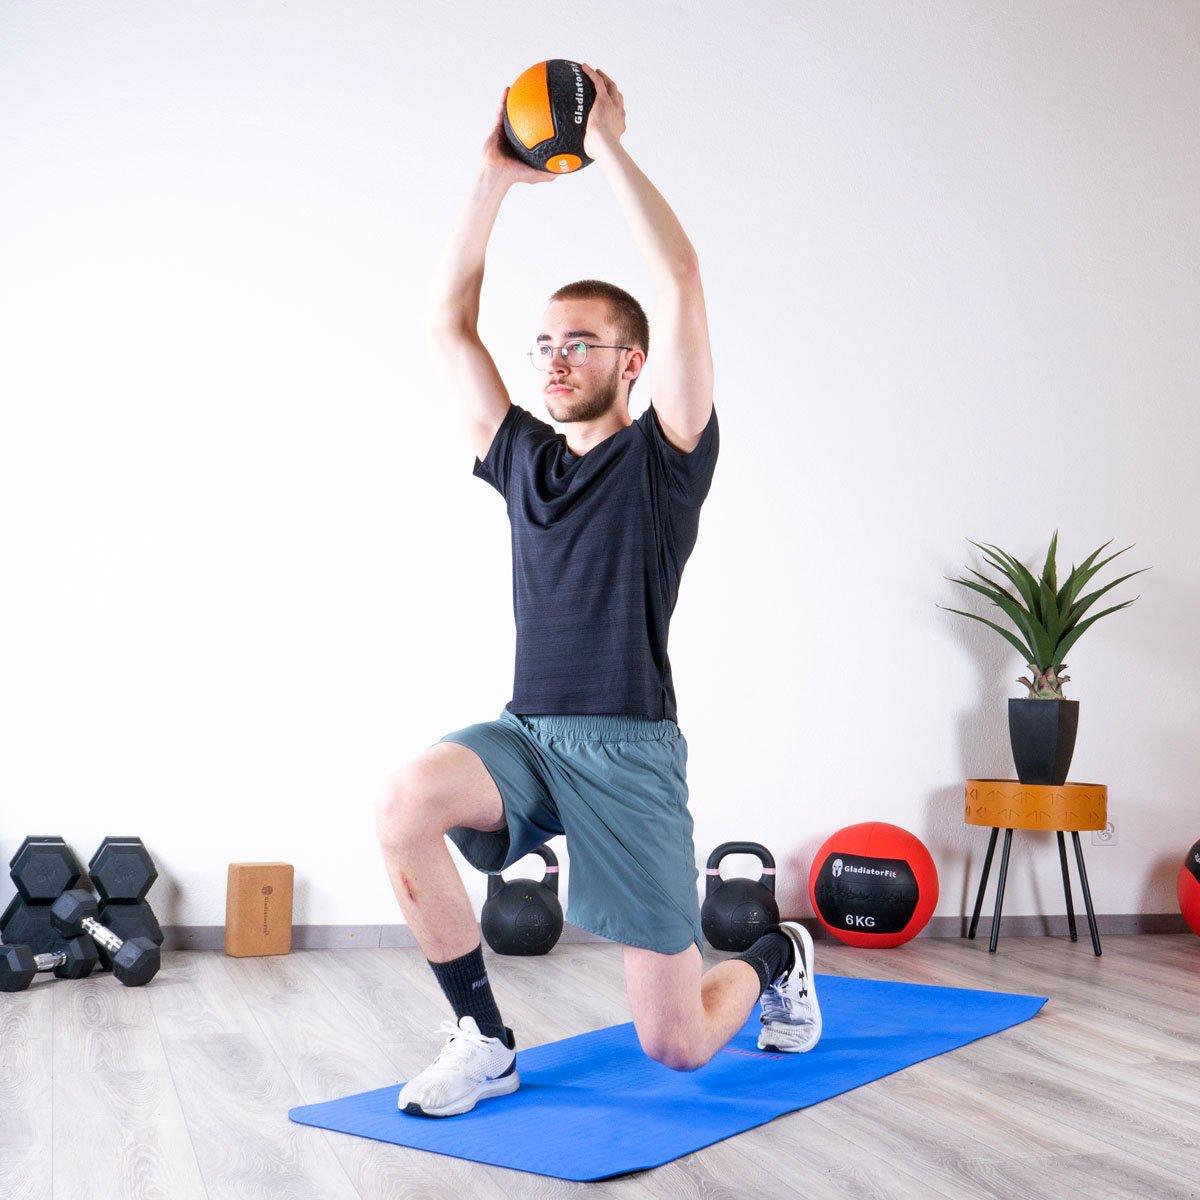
(589, 408)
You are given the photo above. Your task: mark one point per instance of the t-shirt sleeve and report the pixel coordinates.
(509, 443)
(689, 473)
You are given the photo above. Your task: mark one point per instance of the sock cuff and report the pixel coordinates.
(464, 982)
(770, 956)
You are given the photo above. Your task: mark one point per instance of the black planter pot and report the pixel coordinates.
(1042, 733)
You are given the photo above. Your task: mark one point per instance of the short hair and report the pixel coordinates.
(626, 314)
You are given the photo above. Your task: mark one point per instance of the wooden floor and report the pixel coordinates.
(181, 1089)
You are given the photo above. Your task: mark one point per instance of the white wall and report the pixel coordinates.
(951, 257)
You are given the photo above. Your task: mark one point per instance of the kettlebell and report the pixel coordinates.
(523, 916)
(737, 912)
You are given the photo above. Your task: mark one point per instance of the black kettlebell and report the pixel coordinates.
(523, 916)
(737, 912)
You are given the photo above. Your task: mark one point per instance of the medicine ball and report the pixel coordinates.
(1188, 887)
(545, 115)
(873, 884)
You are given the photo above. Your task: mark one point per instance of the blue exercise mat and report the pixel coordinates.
(594, 1106)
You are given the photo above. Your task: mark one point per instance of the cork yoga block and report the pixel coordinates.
(258, 909)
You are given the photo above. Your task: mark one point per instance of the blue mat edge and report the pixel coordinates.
(293, 1114)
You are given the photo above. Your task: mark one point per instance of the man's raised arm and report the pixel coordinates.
(681, 370)
(453, 307)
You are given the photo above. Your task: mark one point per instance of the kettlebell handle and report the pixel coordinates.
(713, 867)
(549, 878)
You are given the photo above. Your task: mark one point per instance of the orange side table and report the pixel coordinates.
(1009, 804)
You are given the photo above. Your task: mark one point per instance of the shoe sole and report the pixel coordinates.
(503, 1086)
(796, 931)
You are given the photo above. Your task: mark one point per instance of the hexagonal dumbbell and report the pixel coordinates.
(43, 868)
(122, 869)
(19, 964)
(28, 923)
(134, 962)
(128, 921)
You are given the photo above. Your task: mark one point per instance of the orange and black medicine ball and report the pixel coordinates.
(873, 884)
(1188, 885)
(545, 115)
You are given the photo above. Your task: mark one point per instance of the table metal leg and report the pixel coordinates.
(1000, 891)
(1087, 895)
(1062, 858)
(987, 866)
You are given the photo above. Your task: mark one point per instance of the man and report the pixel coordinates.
(603, 520)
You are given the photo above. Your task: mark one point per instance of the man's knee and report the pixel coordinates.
(407, 805)
(673, 1051)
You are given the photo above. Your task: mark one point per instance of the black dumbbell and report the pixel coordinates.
(128, 920)
(121, 869)
(19, 964)
(43, 868)
(27, 923)
(134, 962)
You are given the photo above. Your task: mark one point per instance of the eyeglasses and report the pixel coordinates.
(574, 353)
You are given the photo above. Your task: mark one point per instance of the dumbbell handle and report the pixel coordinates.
(47, 962)
(101, 934)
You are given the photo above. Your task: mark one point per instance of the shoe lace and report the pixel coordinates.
(460, 1045)
(776, 1003)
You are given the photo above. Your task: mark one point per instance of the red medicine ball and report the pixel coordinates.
(873, 884)
(1189, 889)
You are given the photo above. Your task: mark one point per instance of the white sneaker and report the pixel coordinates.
(791, 1017)
(469, 1067)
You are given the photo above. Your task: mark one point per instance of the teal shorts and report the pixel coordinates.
(616, 787)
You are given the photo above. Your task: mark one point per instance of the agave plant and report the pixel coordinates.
(1048, 622)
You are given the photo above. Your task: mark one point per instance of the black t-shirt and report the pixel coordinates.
(599, 542)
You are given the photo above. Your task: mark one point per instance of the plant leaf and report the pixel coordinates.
(1000, 565)
(1073, 636)
(1052, 619)
(1019, 574)
(1080, 575)
(993, 583)
(1085, 576)
(1004, 633)
(1091, 599)
(1064, 593)
(1002, 600)
(1074, 585)
(1050, 570)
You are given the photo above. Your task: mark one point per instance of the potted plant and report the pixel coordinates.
(1042, 725)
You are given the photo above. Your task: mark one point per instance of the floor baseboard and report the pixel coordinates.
(375, 937)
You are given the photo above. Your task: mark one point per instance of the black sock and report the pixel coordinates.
(770, 956)
(465, 983)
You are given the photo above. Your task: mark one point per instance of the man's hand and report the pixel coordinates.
(499, 157)
(606, 121)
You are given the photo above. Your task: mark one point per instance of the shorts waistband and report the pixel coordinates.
(598, 727)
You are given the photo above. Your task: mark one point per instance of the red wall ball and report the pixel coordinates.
(1188, 887)
(873, 884)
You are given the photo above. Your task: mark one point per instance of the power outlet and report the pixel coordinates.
(1106, 836)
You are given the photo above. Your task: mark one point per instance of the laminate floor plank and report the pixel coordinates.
(26, 1091)
(234, 1090)
(118, 1129)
